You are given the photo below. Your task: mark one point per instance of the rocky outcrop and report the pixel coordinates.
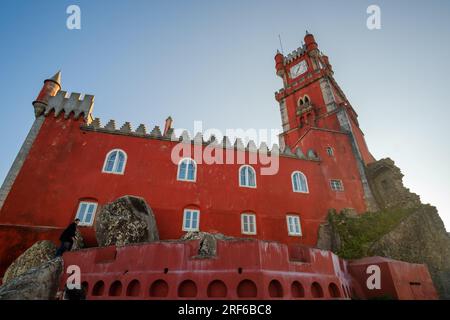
(40, 283)
(386, 183)
(126, 220)
(208, 242)
(415, 235)
(79, 242)
(328, 238)
(36, 255)
(420, 238)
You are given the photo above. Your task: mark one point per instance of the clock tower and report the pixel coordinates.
(312, 100)
(316, 114)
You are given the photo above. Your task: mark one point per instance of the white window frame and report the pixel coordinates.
(87, 203)
(116, 162)
(293, 185)
(248, 215)
(190, 228)
(239, 177)
(330, 154)
(187, 170)
(297, 220)
(332, 185)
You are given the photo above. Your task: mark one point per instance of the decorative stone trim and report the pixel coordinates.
(141, 132)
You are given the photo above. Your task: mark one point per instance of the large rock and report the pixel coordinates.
(126, 220)
(39, 283)
(415, 235)
(78, 243)
(420, 238)
(208, 242)
(386, 183)
(37, 254)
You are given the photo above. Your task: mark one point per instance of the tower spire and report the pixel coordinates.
(50, 88)
(56, 78)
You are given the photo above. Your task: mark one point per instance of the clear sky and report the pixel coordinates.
(213, 61)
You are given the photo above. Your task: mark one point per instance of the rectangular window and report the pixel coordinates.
(293, 225)
(336, 185)
(191, 220)
(248, 223)
(86, 213)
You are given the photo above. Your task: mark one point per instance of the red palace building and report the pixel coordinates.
(70, 166)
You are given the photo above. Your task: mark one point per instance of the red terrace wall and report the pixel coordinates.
(399, 280)
(65, 164)
(241, 270)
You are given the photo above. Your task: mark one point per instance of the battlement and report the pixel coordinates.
(300, 51)
(73, 103)
(142, 132)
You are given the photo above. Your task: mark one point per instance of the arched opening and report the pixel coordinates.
(115, 289)
(334, 290)
(99, 288)
(85, 287)
(217, 289)
(134, 288)
(275, 289)
(159, 289)
(297, 290)
(316, 290)
(187, 289)
(247, 289)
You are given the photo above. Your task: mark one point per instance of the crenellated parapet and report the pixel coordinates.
(142, 132)
(72, 103)
(299, 52)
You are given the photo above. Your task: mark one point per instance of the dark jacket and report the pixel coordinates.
(69, 233)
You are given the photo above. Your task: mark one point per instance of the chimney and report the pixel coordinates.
(168, 125)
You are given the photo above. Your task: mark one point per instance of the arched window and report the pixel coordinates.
(300, 102)
(187, 170)
(306, 99)
(115, 162)
(247, 177)
(299, 182)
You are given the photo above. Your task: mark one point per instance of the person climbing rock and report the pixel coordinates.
(67, 238)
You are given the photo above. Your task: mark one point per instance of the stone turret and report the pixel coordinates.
(49, 89)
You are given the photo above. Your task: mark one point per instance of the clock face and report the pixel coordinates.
(298, 69)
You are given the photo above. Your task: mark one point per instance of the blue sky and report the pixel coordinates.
(213, 61)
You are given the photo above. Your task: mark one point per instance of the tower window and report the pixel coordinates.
(293, 225)
(299, 182)
(330, 151)
(115, 162)
(191, 220)
(86, 213)
(187, 170)
(336, 185)
(247, 177)
(306, 100)
(248, 223)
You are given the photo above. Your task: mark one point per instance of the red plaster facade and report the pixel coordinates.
(64, 163)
